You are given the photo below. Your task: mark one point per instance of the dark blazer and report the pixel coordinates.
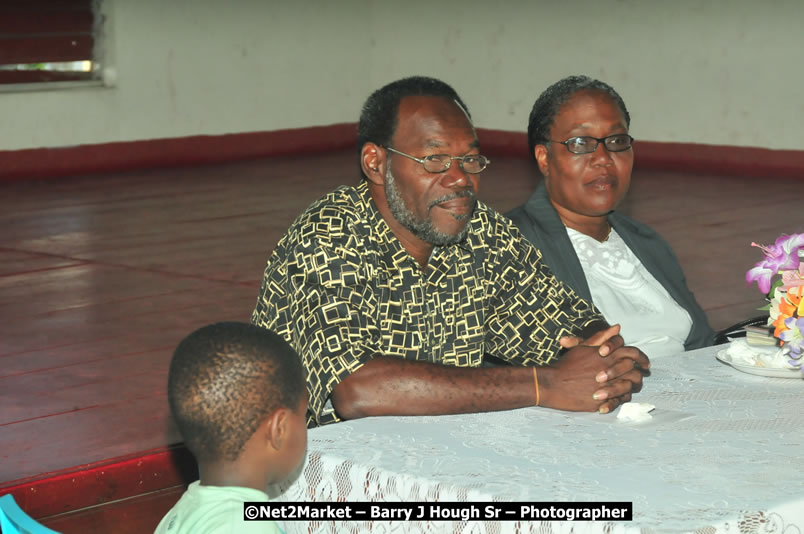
(538, 221)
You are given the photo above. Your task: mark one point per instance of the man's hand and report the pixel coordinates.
(597, 373)
(608, 340)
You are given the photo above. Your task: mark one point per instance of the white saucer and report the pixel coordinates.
(775, 372)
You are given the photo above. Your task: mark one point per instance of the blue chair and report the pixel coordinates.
(13, 520)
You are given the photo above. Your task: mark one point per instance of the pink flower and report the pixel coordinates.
(782, 256)
(791, 279)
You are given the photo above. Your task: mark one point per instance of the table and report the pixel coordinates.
(723, 453)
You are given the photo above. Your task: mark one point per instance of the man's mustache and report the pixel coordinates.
(452, 196)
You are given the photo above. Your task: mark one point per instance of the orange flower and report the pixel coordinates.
(791, 304)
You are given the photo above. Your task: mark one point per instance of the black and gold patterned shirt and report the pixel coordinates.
(341, 289)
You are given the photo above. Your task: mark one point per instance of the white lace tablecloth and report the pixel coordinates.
(723, 453)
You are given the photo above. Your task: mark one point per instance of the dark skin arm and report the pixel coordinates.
(390, 386)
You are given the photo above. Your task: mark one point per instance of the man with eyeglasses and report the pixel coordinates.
(394, 291)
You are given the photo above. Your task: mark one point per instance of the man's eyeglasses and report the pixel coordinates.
(473, 163)
(587, 145)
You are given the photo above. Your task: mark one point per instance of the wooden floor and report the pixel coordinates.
(101, 276)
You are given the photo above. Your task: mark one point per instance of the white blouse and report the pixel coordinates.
(627, 294)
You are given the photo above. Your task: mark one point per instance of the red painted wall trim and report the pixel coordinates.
(717, 159)
(207, 149)
(172, 152)
(111, 480)
(503, 143)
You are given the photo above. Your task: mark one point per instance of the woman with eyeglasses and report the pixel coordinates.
(578, 134)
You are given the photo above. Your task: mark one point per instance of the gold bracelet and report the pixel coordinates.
(536, 383)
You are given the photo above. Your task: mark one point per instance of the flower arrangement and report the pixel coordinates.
(785, 293)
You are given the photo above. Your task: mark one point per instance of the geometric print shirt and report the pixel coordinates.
(341, 289)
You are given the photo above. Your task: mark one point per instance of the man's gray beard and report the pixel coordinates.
(423, 228)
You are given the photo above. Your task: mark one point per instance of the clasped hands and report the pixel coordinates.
(595, 374)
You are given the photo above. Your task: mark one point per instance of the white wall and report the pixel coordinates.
(716, 72)
(190, 67)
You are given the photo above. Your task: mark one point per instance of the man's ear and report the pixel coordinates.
(372, 161)
(275, 426)
(540, 153)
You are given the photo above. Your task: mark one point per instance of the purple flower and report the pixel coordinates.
(796, 361)
(781, 256)
(762, 275)
(794, 336)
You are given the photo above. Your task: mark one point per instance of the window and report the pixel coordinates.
(46, 41)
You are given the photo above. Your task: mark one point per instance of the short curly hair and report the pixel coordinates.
(546, 107)
(379, 116)
(224, 379)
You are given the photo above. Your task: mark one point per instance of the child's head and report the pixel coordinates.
(237, 394)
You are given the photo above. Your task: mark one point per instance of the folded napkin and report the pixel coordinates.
(635, 412)
(742, 353)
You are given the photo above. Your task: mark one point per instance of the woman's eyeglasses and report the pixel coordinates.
(587, 144)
